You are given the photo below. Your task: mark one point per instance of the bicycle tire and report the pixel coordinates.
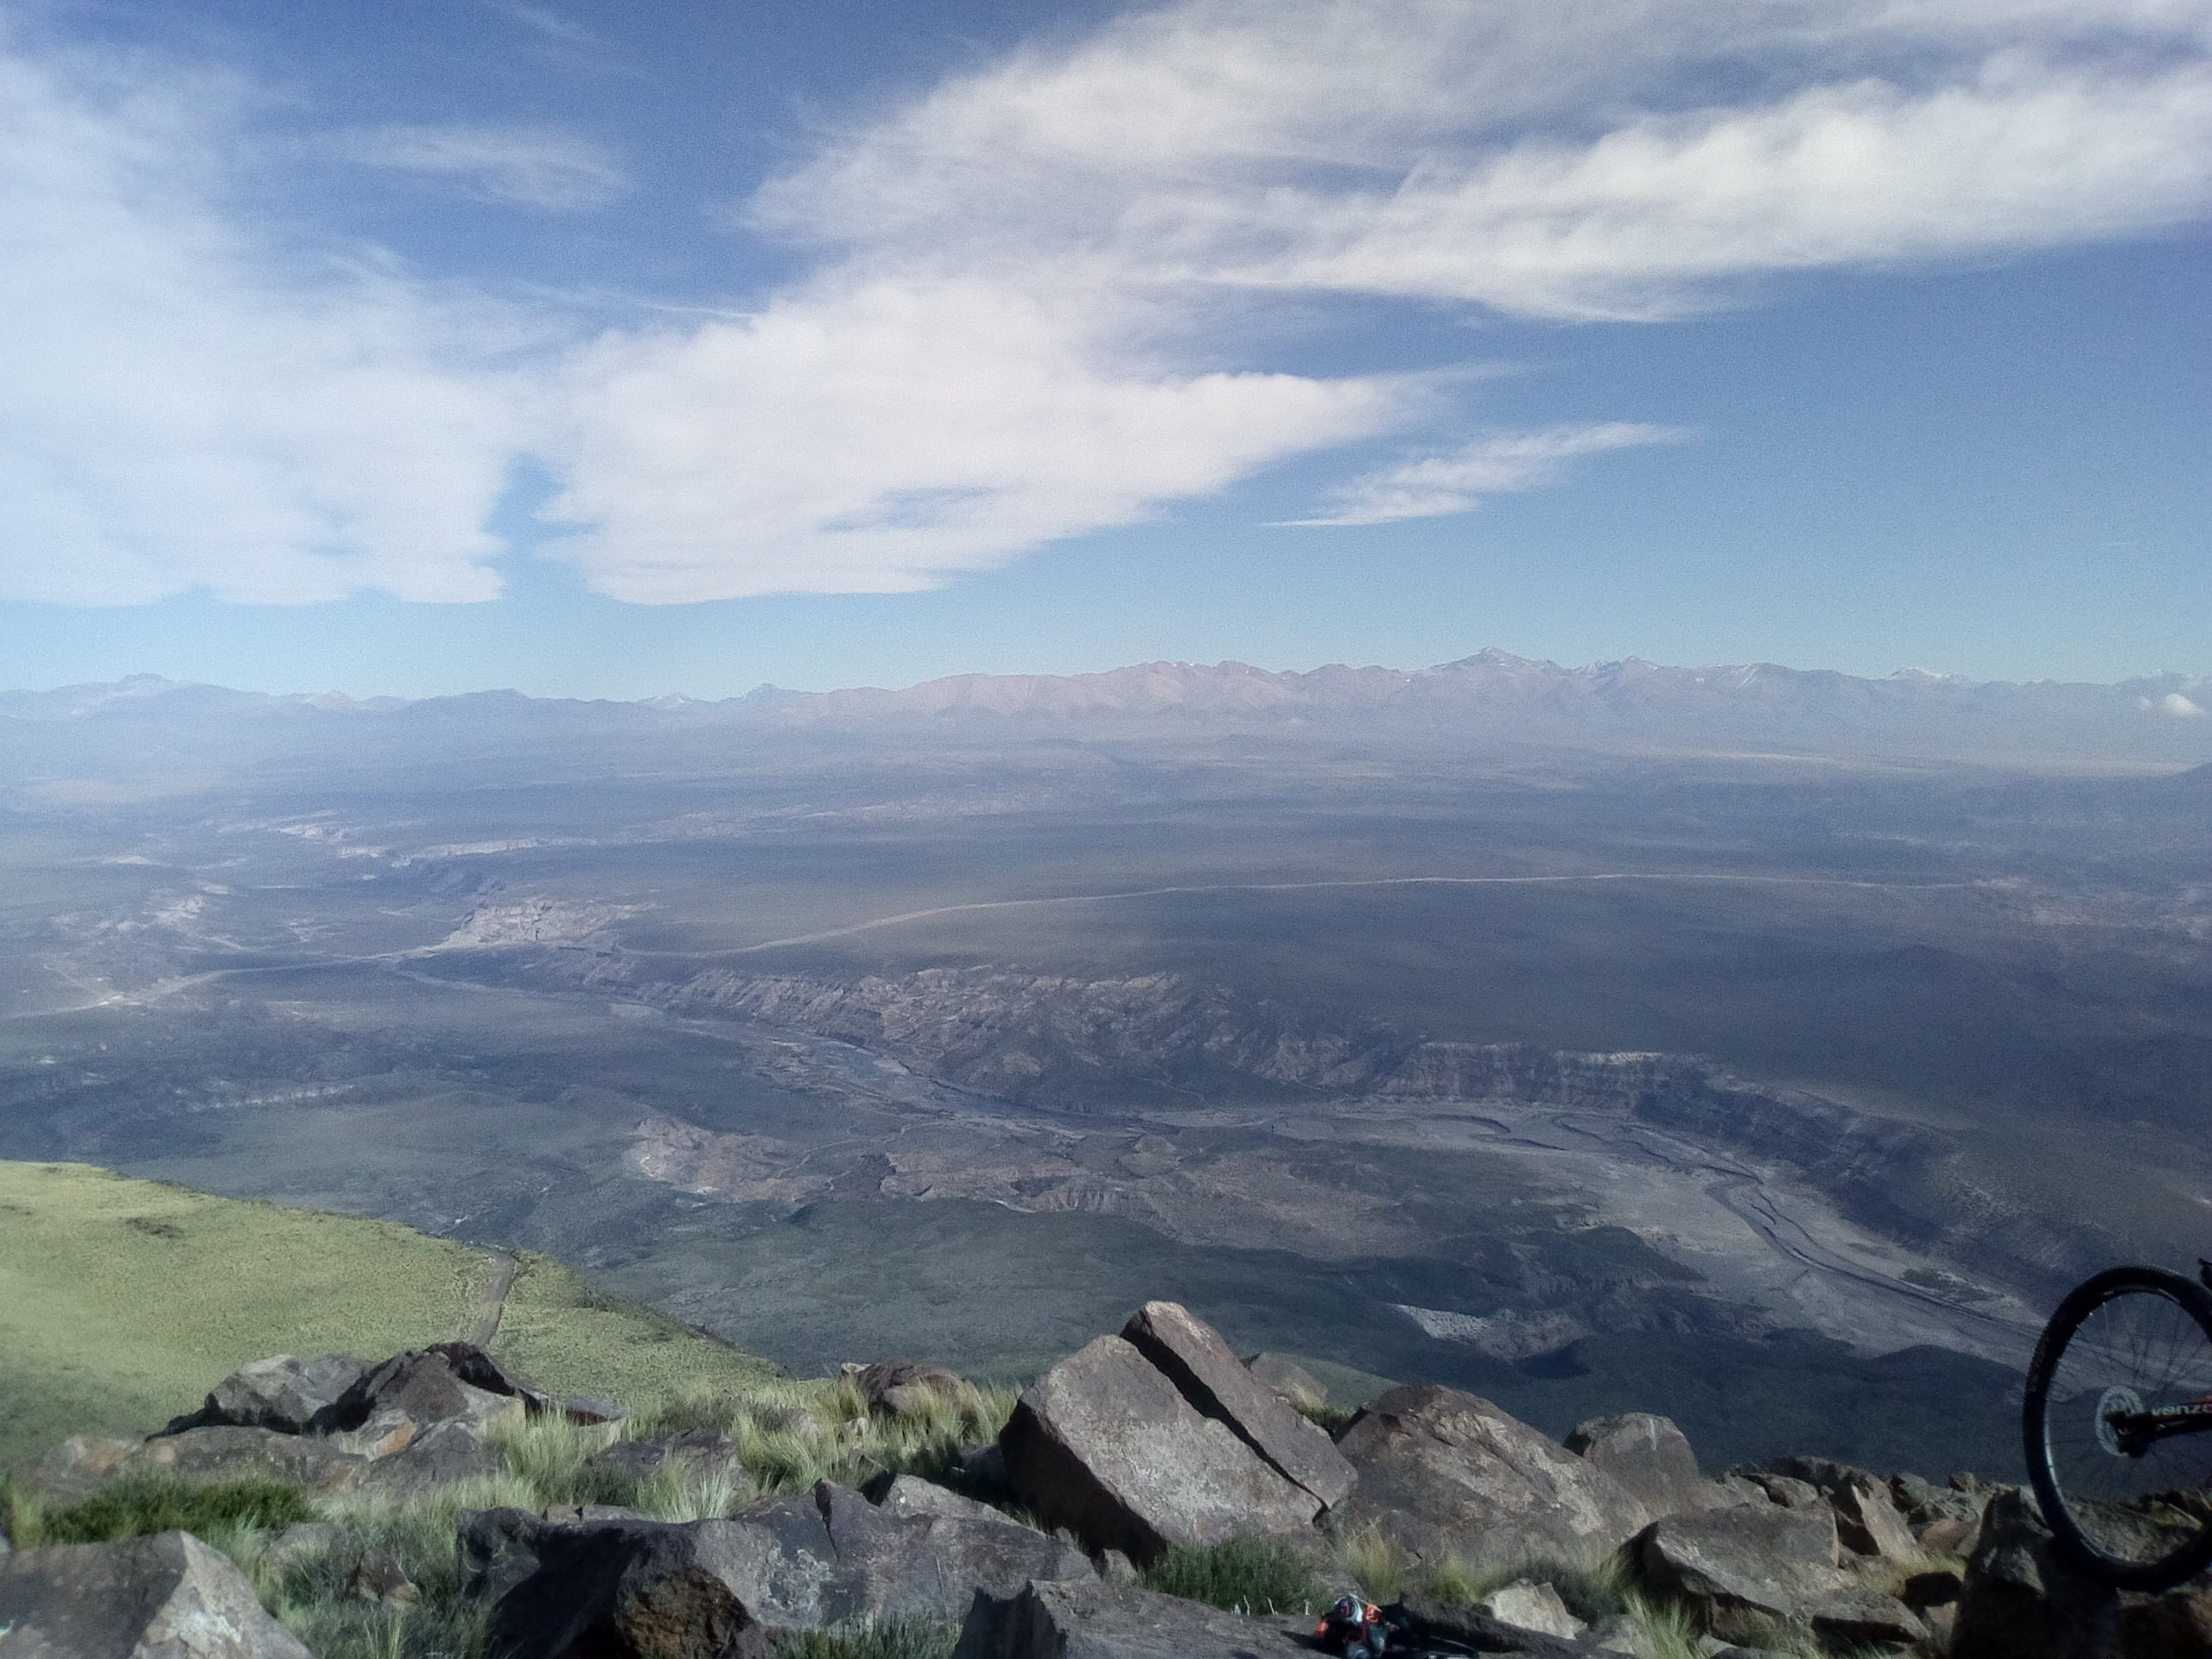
(2126, 1340)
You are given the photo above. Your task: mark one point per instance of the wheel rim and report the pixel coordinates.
(2133, 1504)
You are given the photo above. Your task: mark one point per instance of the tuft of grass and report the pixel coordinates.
(143, 1503)
(791, 1432)
(872, 1638)
(1331, 1420)
(1259, 1576)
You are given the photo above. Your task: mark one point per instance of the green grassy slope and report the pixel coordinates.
(121, 1302)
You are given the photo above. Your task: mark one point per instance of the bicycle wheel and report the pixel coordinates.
(2117, 1450)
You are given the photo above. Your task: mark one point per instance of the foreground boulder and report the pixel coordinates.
(1104, 1445)
(1649, 1456)
(1191, 1354)
(164, 1596)
(659, 1590)
(1098, 1620)
(1744, 1569)
(1447, 1474)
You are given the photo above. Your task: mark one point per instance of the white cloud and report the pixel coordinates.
(878, 437)
(1038, 295)
(1436, 484)
(2174, 703)
(532, 167)
(178, 410)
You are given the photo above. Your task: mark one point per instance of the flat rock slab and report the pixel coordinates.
(1098, 1620)
(1191, 1354)
(1104, 1445)
(1448, 1474)
(164, 1596)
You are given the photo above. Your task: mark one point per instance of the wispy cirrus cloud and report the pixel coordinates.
(186, 406)
(1434, 485)
(531, 167)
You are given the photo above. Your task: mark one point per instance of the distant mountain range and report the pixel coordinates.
(1492, 694)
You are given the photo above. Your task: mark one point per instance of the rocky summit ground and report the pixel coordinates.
(1151, 1494)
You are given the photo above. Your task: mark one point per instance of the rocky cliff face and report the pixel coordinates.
(1110, 1045)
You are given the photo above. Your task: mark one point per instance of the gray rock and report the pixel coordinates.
(1093, 1619)
(695, 1590)
(370, 1571)
(1300, 1389)
(575, 1515)
(1868, 1523)
(699, 1456)
(588, 1410)
(293, 1396)
(1526, 1605)
(1788, 1491)
(982, 1468)
(456, 1449)
(1104, 1445)
(1191, 1354)
(908, 1388)
(167, 1596)
(1448, 1474)
(1472, 1627)
(399, 1399)
(222, 1453)
(909, 1494)
(2022, 1599)
(305, 1539)
(1647, 1454)
(77, 1467)
(1742, 1568)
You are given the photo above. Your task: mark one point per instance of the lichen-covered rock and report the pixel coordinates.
(167, 1596)
(1107, 1446)
(1191, 1354)
(1098, 1620)
(1448, 1474)
(1647, 1454)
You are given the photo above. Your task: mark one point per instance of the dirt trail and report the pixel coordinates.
(490, 1300)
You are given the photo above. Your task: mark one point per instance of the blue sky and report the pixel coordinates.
(619, 349)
